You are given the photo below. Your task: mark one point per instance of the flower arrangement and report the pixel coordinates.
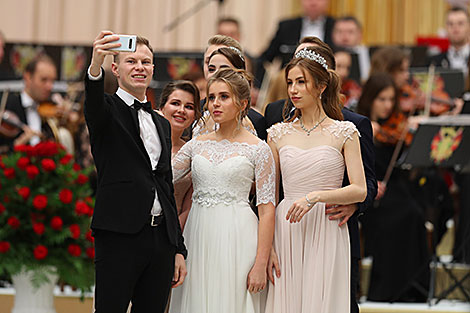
(45, 210)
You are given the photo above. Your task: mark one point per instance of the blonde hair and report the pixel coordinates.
(239, 82)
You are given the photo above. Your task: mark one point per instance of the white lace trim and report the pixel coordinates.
(346, 129)
(216, 152)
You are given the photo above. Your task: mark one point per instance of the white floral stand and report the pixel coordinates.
(29, 299)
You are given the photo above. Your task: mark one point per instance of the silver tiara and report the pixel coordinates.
(312, 55)
(240, 54)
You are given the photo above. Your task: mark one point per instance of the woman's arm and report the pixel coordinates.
(356, 191)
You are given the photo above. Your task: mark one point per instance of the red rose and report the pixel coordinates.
(90, 252)
(48, 165)
(76, 167)
(40, 202)
(2, 208)
(46, 149)
(81, 208)
(56, 223)
(22, 163)
(65, 159)
(9, 173)
(20, 148)
(81, 179)
(40, 252)
(32, 171)
(74, 231)
(89, 237)
(39, 228)
(65, 195)
(14, 222)
(24, 192)
(75, 250)
(4, 246)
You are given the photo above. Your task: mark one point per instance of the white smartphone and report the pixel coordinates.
(127, 43)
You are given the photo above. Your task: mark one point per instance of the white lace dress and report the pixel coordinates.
(222, 230)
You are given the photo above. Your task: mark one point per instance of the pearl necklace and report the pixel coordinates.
(308, 131)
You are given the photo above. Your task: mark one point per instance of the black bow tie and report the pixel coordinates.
(146, 106)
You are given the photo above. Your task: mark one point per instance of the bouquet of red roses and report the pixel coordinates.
(45, 210)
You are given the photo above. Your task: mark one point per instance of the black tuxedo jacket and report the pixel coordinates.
(126, 180)
(286, 40)
(273, 114)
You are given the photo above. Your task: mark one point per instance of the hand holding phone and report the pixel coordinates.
(128, 43)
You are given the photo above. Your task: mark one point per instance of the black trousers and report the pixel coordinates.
(354, 284)
(133, 267)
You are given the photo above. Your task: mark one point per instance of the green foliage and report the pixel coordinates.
(45, 210)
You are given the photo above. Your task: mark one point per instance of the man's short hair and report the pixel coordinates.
(139, 41)
(349, 18)
(458, 9)
(221, 40)
(228, 20)
(33, 64)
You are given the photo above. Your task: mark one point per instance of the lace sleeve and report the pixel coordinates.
(265, 175)
(348, 129)
(344, 130)
(278, 130)
(181, 163)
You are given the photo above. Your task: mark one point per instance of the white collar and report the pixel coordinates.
(464, 51)
(26, 100)
(127, 97)
(319, 21)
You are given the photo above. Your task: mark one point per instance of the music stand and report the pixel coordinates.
(442, 141)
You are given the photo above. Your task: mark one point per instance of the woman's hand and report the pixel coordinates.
(256, 278)
(298, 209)
(273, 263)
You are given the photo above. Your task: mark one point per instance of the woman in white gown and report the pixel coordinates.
(228, 248)
(312, 150)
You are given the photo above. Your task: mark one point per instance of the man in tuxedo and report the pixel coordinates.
(458, 32)
(314, 22)
(276, 112)
(219, 41)
(38, 78)
(139, 247)
(347, 34)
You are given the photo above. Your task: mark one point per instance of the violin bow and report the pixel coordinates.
(3, 103)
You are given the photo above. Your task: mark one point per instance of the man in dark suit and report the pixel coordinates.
(38, 78)
(458, 32)
(315, 22)
(277, 111)
(139, 247)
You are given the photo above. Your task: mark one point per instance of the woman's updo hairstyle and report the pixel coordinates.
(317, 61)
(239, 82)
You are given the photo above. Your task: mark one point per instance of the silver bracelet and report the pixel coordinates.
(310, 203)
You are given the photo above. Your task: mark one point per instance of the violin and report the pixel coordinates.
(391, 130)
(413, 95)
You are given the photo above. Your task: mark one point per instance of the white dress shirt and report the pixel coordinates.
(313, 28)
(32, 116)
(458, 58)
(364, 60)
(148, 134)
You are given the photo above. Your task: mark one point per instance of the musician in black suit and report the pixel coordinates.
(315, 22)
(38, 78)
(139, 247)
(280, 110)
(458, 32)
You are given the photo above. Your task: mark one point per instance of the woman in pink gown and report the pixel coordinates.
(310, 258)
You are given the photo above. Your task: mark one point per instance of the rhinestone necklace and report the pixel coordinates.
(308, 131)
